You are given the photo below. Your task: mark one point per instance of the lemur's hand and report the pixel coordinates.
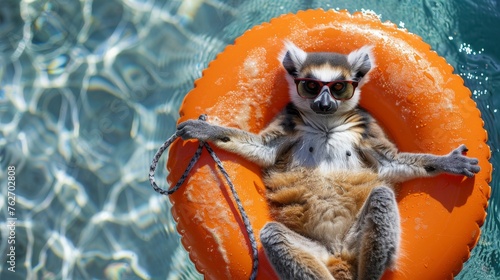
(457, 163)
(197, 129)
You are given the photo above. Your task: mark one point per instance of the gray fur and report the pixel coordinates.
(455, 163)
(277, 240)
(360, 62)
(405, 166)
(380, 227)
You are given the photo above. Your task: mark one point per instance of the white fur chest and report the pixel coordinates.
(329, 149)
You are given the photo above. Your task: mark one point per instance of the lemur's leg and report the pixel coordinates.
(294, 256)
(376, 233)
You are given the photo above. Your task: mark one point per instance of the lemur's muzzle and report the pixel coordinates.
(324, 103)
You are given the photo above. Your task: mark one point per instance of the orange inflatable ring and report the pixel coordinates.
(412, 93)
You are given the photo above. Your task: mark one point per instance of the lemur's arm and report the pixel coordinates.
(397, 167)
(261, 149)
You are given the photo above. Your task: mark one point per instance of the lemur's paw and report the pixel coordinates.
(457, 163)
(197, 129)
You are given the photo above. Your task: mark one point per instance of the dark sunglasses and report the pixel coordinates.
(311, 88)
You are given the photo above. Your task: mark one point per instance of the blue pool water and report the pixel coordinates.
(90, 89)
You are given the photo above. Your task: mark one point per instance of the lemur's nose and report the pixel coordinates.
(325, 100)
(324, 103)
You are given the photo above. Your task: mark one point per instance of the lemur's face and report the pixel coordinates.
(326, 83)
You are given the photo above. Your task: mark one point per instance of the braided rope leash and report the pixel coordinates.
(194, 159)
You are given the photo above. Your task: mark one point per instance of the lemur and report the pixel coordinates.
(329, 170)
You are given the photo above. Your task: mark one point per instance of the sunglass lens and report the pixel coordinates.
(342, 90)
(308, 89)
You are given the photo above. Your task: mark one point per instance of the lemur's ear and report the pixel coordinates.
(292, 58)
(361, 61)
